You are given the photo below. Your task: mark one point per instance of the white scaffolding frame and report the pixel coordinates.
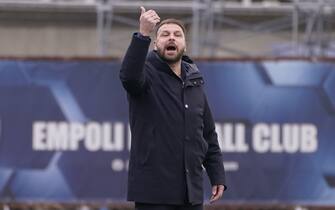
(309, 21)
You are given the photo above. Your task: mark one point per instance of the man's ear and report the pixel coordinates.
(155, 47)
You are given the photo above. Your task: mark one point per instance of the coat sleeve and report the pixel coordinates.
(132, 74)
(213, 162)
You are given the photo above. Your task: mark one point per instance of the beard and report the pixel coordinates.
(170, 59)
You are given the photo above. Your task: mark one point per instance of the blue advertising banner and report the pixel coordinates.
(64, 134)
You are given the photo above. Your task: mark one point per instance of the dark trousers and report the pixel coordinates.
(146, 206)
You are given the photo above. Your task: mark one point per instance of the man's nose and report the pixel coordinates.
(171, 37)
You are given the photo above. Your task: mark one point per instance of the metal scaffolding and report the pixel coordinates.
(310, 22)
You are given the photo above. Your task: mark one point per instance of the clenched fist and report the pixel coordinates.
(148, 21)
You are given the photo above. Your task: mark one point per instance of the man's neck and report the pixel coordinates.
(176, 68)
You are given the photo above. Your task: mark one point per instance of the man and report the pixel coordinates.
(173, 133)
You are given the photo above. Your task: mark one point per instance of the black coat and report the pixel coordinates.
(173, 132)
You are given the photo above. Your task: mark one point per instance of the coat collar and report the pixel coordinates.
(189, 68)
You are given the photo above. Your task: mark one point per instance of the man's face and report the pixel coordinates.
(170, 42)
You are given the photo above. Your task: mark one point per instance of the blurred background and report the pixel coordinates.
(216, 28)
(269, 70)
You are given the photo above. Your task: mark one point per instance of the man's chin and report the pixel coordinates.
(172, 58)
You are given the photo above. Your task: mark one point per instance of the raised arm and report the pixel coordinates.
(132, 74)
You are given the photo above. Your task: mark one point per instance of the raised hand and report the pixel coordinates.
(148, 21)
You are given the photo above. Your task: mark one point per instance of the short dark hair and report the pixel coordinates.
(171, 21)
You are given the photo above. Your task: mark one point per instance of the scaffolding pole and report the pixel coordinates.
(195, 28)
(104, 26)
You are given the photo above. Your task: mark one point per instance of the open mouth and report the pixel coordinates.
(171, 48)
